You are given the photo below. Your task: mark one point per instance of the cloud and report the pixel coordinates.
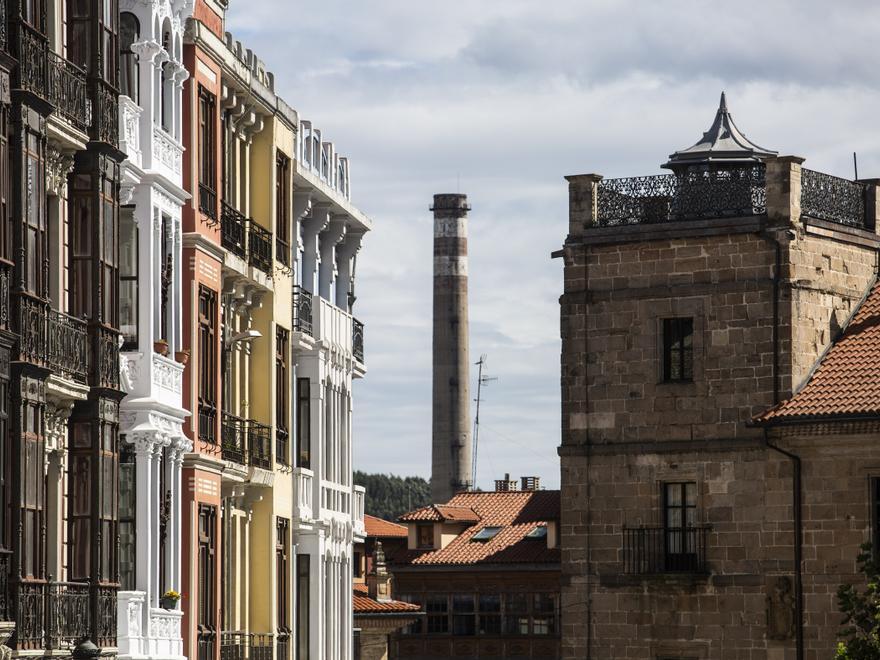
(500, 100)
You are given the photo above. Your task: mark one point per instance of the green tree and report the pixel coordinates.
(389, 496)
(861, 612)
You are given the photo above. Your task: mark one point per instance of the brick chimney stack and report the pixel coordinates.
(451, 428)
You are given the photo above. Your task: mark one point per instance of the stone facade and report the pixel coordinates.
(767, 294)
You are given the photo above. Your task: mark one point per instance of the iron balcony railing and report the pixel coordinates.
(260, 646)
(282, 252)
(68, 90)
(282, 645)
(259, 247)
(689, 195)
(31, 329)
(239, 645)
(282, 441)
(105, 117)
(833, 199)
(105, 357)
(68, 345)
(31, 53)
(208, 202)
(5, 573)
(652, 550)
(5, 276)
(357, 339)
(302, 310)
(233, 230)
(233, 438)
(207, 422)
(259, 449)
(57, 615)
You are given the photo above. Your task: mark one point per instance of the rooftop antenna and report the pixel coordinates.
(481, 380)
(856, 165)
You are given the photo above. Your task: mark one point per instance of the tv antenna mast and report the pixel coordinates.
(481, 380)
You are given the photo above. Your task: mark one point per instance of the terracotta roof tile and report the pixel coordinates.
(441, 513)
(363, 604)
(516, 512)
(383, 529)
(846, 381)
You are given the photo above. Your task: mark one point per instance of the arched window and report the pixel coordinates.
(167, 93)
(129, 32)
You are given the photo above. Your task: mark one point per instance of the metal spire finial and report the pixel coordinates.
(723, 105)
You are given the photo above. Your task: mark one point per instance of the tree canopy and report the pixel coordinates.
(389, 496)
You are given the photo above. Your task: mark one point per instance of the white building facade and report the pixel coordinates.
(151, 414)
(328, 357)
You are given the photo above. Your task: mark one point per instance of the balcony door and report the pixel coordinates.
(679, 520)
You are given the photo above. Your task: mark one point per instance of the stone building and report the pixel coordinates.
(695, 523)
(485, 568)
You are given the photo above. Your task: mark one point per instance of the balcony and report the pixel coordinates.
(657, 550)
(67, 346)
(259, 247)
(208, 203)
(207, 422)
(238, 645)
(233, 231)
(105, 362)
(282, 252)
(68, 91)
(56, 615)
(167, 154)
(335, 498)
(302, 310)
(357, 339)
(105, 118)
(31, 55)
(246, 442)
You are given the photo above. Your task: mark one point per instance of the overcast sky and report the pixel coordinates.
(500, 100)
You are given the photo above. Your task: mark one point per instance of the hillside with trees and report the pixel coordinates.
(390, 496)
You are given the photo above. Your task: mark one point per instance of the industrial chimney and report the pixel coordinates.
(451, 442)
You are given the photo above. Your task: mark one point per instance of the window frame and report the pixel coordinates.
(678, 335)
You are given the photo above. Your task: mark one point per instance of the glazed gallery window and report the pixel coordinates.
(282, 592)
(487, 614)
(282, 209)
(678, 350)
(303, 424)
(127, 517)
(207, 139)
(207, 558)
(303, 576)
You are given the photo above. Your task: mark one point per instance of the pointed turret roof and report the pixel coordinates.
(723, 144)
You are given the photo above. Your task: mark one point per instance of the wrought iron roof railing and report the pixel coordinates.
(691, 195)
(832, 198)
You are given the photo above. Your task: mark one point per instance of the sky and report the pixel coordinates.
(500, 100)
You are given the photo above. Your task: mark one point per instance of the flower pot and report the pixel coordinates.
(168, 603)
(182, 356)
(161, 347)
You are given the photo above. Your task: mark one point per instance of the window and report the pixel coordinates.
(127, 517)
(302, 607)
(282, 209)
(437, 608)
(282, 575)
(30, 467)
(166, 90)
(109, 46)
(207, 156)
(128, 279)
(282, 403)
(516, 614)
(356, 565)
(486, 534)
(875, 514)
(166, 278)
(163, 506)
(425, 536)
(5, 215)
(35, 214)
(544, 614)
(678, 350)
(129, 73)
(539, 532)
(303, 421)
(207, 364)
(6, 457)
(679, 519)
(207, 580)
(34, 12)
(463, 615)
(490, 614)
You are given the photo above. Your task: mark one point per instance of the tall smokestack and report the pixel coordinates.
(451, 446)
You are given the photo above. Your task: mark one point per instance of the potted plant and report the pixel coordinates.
(182, 356)
(161, 347)
(169, 599)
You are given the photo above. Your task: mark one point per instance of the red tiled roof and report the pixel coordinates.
(516, 512)
(847, 378)
(383, 529)
(363, 604)
(441, 513)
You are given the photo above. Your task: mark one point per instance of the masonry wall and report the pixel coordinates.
(767, 294)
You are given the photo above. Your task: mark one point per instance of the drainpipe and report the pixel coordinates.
(798, 541)
(794, 458)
